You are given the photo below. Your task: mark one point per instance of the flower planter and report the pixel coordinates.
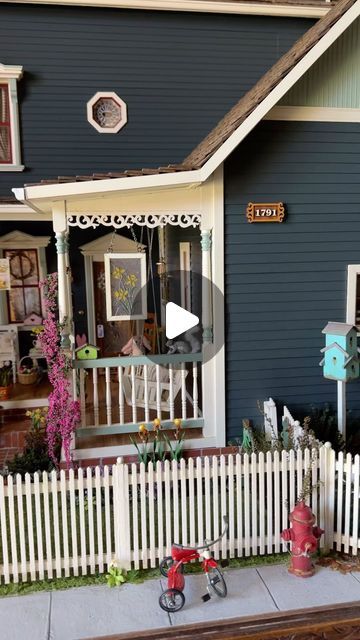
(5, 393)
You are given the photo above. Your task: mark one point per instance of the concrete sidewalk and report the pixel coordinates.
(95, 611)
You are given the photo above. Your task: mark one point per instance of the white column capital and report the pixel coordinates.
(206, 240)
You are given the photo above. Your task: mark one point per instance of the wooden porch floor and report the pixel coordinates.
(24, 396)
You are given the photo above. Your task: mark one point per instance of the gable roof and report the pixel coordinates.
(236, 116)
(245, 108)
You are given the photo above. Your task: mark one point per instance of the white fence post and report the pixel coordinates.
(270, 420)
(122, 514)
(327, 494)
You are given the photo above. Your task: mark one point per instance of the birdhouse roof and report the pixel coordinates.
(338, 328)
(87, 344)
(334, 345)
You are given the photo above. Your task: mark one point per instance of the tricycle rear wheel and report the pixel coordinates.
(165, 565)
(216, 582)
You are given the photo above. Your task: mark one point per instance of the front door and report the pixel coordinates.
(111, 336)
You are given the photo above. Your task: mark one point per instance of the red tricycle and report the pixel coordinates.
(172, 568)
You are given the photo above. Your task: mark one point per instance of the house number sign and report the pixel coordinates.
(265, 212)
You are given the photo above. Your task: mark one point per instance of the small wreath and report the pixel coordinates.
(21, 276)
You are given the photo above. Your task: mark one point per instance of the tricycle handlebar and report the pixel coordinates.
(212, 542)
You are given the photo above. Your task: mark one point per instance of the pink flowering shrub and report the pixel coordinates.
(64, 412)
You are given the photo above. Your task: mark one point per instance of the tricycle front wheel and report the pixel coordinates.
(172, 600)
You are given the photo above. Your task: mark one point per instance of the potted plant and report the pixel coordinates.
(5, 379)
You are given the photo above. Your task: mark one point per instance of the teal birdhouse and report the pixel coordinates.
(340, 360)
(87, 352)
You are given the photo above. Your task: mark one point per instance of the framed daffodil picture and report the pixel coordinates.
(125, 286)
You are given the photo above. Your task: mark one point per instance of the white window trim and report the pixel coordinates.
(9, 75)
(353, 272)
(19, 240)
(116, 98)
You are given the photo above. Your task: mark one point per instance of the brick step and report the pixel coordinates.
(13, 415)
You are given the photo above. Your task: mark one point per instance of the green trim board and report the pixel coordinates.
(334, 80)
(116, 429)
(175, 358)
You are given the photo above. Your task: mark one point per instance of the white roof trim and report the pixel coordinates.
(62, 191)
(21, 212)
(229, 7)
(111, 185)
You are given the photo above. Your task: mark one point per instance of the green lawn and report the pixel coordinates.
(133, 576)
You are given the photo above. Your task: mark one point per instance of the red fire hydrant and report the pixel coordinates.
(304, 537)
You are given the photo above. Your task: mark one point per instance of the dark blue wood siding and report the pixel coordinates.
(285, 281)
(178, 74)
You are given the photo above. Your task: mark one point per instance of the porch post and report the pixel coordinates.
(206, 286)
(62, 250)
(64, 287)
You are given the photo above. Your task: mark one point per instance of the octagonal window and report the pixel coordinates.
(106, 112)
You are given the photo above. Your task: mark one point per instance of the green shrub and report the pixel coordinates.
(35, 455)
(323, 422)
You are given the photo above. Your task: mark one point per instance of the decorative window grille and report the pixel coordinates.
(24, 295)
(5, 126)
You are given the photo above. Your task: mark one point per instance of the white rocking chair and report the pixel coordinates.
(151, 387)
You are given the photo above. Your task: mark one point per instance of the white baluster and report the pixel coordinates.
(158, 392)
(82, 397)
(195, 390)
(133, 393)
(96, 397)
(108, 395)
(183, 391)
(121, 395)
(146, 393)
(171, 392)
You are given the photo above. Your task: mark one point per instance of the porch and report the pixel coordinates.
(118, 394)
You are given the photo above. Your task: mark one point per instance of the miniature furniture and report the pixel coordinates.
(151, 400)
(9, 346)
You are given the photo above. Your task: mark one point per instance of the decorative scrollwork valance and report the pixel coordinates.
(86, 221)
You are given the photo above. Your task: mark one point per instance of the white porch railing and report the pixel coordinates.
(128, 391)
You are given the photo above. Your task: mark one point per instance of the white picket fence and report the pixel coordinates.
(76, 523)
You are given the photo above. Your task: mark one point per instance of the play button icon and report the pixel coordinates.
(178, 320)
